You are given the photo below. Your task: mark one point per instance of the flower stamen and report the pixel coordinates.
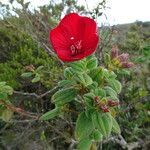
(76, 47)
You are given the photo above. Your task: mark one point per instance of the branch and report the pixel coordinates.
(51, 53)
(121, 141)
(49, 50)
(36, 95)
(18, 110)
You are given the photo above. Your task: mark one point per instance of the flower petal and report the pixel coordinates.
(64, 55)
(70, 25)
(90, 27)
(57, 39)
(90, 36)
(90, 47)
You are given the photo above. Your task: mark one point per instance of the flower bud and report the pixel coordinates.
(104, 108)
(113, 103)
(123, 57)
(114, 52)
(127, 64)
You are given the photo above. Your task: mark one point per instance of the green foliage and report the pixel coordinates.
(115, 126)
(133, 116)
(25, 66)
(96, 136)
(6, 115)
(80, 85)
(5, 90)
(51, 114)
(84, 126)
(24, 54)
(63, 96)
(102, 122)
(85, 144)
(115, 84)
(134, 41)
(144, 55)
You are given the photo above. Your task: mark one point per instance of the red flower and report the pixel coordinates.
(74, 38)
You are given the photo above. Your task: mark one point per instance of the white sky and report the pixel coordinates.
(120, 11)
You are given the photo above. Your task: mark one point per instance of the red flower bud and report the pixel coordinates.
(114, 52)
(96, 98)
(112, 103)
(123, 57)
(127, 64)
(104, 108)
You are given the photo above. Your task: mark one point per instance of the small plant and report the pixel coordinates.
(94, 89)
(36, 74)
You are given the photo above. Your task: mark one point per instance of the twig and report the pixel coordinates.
(22, 121)
(73, 143)
(26, 94)
(48, 92)
(36, 95)
(121, 141)
(51, 52)
(18, 110)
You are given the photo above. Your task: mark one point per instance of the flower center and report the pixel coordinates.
(75, 47)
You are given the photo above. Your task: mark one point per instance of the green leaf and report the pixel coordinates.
(27, 74)
(123, 72)
(39, 68)
(107, 59)
(89, 99)
(97, 75)
(51, 114)
(92, 63)
(100, 92)
(78, 67)
(87, 79)
(103, 122)
(68, 73)
(2, 84)
(106, 73)
(5, 90)
(6, 115)
(42, 136)
(84, 144)
(115, 126)
(110, 92)
(96, 136)
(8, 89)
(88, 58)
(115, 84)
(92, 86)
(64, 96)
(66, 83)
(3, 96)
(37, 78)
(84, 79)
(84, 126)
(112, 75)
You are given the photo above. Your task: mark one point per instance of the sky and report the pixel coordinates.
(118, 11)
